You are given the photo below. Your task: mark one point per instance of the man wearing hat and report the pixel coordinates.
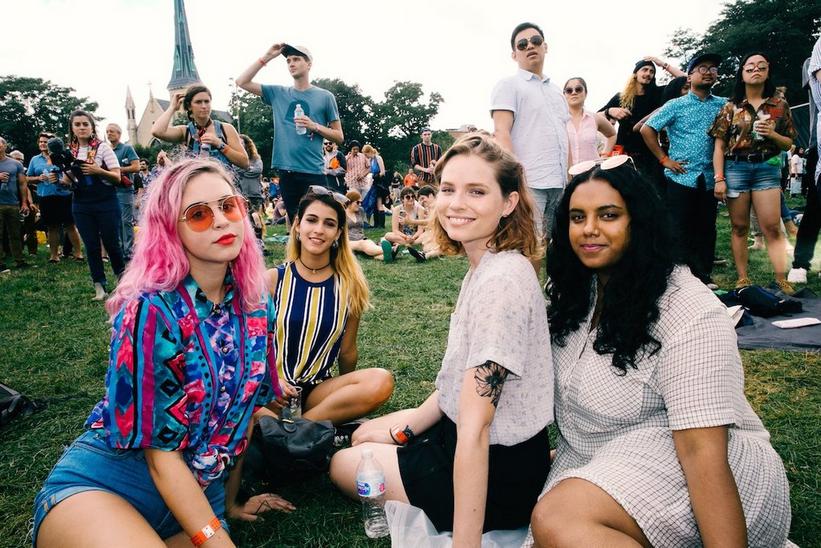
(297, 154)
(640, 97)
(689, 166)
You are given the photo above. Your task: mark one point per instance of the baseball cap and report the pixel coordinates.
(702, 57)
(288, 49)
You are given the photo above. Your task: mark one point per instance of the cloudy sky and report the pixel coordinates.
(459, 48)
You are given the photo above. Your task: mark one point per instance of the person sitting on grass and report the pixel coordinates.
(473, 454)
(403, 231)
(657, 444)
(427, 199)
(356, 231)
(320, 294)
(190, 365)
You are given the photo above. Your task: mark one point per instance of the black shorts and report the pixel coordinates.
(293, 185)
(516, 477)
(56, 211)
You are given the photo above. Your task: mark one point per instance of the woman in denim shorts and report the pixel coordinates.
(190, 362)
(750, 132)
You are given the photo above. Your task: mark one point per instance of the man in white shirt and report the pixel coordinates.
(530, 119)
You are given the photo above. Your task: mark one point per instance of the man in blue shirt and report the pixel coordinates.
(298, 138)
(13, 202)
(689, 167)
(129, 164)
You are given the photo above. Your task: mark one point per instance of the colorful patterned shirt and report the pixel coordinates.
(734, 125)
(687, 120)
(186, 375)
(423, 155)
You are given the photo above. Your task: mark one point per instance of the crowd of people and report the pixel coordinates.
(626, 348)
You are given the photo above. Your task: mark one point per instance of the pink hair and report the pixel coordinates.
(160, 262)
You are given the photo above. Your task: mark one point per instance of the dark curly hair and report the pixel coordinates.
(630, 301)
(740, 88)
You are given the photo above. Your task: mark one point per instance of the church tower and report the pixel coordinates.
(132, 118)
(184, 72)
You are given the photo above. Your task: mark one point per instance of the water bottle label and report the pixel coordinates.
(370, 489)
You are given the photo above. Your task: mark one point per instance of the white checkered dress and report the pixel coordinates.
(616, 431)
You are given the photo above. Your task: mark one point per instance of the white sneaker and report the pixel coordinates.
(797, 276)
(99, 292)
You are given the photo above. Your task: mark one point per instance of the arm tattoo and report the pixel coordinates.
(490, 377)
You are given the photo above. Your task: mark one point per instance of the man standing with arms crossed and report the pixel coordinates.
(129, 165)
(689, 168)
(424, 157)
(530, 120)
(297, 139)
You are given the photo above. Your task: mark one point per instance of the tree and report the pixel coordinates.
(783, 29)
(31, 105)
(355, 108)
(255, 121)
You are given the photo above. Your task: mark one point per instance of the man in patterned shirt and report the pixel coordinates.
(424, 157)
(689, 168)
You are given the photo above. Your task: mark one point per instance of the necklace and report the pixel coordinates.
(314, 270)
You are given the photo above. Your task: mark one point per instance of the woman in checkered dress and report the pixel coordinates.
(658, 445)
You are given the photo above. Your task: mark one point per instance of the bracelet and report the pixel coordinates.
(261, 62)
(661, 160)
(720, 180)
(206, 532)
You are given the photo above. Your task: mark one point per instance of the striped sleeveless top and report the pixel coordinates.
(311, 319)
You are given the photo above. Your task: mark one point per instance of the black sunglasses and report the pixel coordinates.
(577, 89)
(536, 40)
(321, 190)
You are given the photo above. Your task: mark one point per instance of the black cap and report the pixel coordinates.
(702, 57)
(642, 63)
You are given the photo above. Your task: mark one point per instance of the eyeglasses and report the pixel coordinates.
(704, 70)
(327, 144)
(322, 191)
(200, 216)
(760, 66)
(605, 164)
(577, 89)
(536, 40)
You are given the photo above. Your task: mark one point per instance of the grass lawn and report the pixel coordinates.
(54, 348)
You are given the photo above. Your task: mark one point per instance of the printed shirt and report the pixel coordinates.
(310, 323)
(815, 90)
(734, 125)
(539, 132)
(423, 155)
(358, 169)
(687, 120)
(185, 375)
(37, 166)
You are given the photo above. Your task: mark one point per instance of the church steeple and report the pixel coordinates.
(132, 119)
(184, 72)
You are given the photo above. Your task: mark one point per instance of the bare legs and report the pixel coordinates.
(768, 208)
(349, 396)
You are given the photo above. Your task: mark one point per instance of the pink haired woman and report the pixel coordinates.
(190, 363)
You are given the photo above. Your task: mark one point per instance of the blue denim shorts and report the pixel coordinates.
(750, 176)
(89, 464)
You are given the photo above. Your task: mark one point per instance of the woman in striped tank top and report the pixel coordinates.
(320, 294)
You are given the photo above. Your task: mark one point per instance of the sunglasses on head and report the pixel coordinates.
(200, 216)
(578, 89)
(322, 191)
(536, 40)
(752, 67)
(604, 164)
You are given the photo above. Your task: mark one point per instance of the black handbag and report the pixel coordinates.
(287, 451)
(765, 304)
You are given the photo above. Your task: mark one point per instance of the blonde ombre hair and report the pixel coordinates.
(628, 94)
(352, 283)
(517, 231)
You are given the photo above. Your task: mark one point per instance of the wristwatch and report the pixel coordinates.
(403, 437)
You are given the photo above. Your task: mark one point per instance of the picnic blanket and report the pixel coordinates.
(761, 333)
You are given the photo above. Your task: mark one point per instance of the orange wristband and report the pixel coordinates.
(661, 160)
(207, 532)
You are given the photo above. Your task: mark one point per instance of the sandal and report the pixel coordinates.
(742, 283)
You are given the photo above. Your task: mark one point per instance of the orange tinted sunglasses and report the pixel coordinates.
(200, 216)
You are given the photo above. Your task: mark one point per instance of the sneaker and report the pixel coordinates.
(344, 432)
(387, 251)
(99, 292)
(418, 255)
(711, 285)
(797, 276)
(785, 287)
(742, 283)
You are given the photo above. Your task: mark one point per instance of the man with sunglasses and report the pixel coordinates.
(335, 166)
(298, 152)
(689, 167)
(530, 120)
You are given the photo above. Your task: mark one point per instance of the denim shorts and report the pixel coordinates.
(750, 176)
(89, 464)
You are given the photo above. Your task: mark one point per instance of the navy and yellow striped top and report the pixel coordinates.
(311, 319)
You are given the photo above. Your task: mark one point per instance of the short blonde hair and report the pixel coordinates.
(516, 231)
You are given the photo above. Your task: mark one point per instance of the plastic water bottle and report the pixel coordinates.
(370, 484)
(297, 113)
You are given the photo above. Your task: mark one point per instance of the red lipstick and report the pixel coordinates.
(227, 239)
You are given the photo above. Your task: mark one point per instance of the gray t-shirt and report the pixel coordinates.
(501, 317)
(9, 191)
